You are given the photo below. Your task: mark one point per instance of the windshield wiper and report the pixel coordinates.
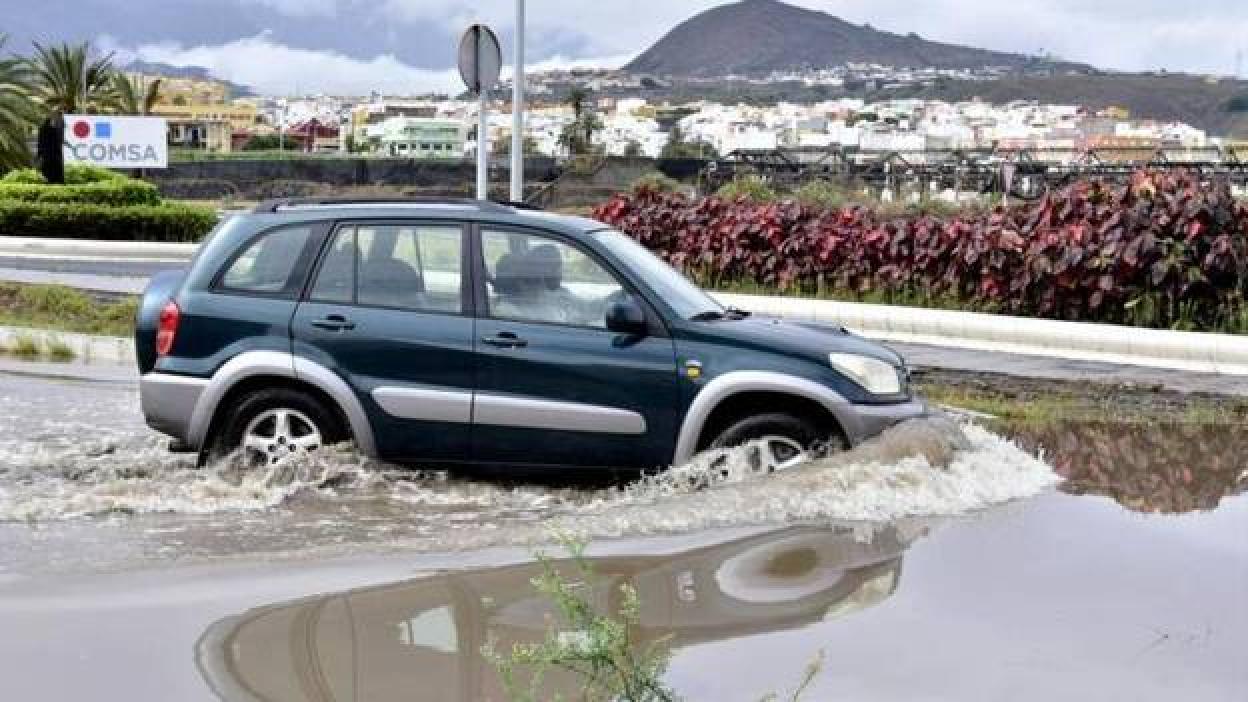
(707, 316)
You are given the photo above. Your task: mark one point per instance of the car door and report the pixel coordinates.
(386, 311)
(554, 386)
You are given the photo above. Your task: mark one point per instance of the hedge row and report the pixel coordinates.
(119, 192)
(169, 222)
(75, 174)
(1165, 250)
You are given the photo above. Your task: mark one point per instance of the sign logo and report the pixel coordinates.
(117, 142)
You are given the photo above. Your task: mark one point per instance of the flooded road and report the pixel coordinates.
(942, 562)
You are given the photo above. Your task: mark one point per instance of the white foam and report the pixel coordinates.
(921, 468)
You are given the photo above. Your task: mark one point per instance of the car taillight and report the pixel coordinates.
(169, 316)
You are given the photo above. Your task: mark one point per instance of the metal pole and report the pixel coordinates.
(483, 147)
(517, 110)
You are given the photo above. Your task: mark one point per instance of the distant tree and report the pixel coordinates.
(179, 100)
(133, 96)
(578, 137)
(502, 146)
(577, 98)
(17, 116)
(263, 142)
(678, 146)
(67, 79)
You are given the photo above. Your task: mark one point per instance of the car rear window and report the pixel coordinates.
(267, 264)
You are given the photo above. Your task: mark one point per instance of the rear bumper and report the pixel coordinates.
(169, 401)
(861, 422)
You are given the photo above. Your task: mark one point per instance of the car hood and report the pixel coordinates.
(804, 339)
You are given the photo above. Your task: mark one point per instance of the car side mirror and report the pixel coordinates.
(626, 317)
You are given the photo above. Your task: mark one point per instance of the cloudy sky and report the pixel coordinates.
(284, 46)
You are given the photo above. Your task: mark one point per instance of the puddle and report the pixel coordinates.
(423, 638)
(1155, 467)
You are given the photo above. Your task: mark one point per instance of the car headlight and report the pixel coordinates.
(875, 376)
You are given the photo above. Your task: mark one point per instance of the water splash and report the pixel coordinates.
(923, 467)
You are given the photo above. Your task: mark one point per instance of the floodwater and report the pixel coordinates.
(944, 561)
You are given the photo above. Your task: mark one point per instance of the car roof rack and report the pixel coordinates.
(270, 206)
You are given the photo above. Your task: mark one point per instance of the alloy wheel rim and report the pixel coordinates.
(277, 435)
(776, 453)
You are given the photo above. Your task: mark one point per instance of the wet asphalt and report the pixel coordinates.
(1114, 586)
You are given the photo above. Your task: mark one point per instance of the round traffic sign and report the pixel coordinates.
(480, 58)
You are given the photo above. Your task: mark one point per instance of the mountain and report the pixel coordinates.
(153, 68)
(754, 37)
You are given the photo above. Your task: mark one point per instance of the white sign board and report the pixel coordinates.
(117, 142)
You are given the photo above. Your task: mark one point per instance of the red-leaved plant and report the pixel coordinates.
(1165, 250)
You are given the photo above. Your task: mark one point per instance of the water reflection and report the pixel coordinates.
(1148, 467)
(422, 639)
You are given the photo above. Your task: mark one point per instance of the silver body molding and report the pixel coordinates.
(433, 404)
(425, 403)
(858, 421)
(535, 413)
(184, 407)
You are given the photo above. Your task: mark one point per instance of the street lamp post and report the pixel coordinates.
(517, 110)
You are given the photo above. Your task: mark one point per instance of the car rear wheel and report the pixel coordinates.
(780, 441)
(273, 426)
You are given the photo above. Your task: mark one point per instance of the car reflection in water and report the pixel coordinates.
(421, 639)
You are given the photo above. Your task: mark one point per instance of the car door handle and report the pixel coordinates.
(334, 322)
(505, 340)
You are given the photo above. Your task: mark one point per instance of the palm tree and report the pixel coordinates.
(16, 115)
(133, 96)
(68, 80)
(578, 136)
(576, 99)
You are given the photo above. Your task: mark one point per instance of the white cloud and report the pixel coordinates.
(277, 69)
(298, 8)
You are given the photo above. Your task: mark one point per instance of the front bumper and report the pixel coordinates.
(169, 401)
(862, 422)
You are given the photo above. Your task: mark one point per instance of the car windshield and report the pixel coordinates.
(685, 298)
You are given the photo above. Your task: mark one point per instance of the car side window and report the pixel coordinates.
(535, 278)
(267, 264)
(414, 267)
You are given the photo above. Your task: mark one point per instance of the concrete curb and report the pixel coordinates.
(87, 348)
(1107, 343)
(90, 249)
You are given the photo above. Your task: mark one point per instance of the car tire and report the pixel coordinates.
(793, 433)
(296, 422)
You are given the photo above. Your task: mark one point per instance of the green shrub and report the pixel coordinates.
(24, 346)
(82, 173)
(655, 180)
(75, 174)
(173, 222)
(751, 187)
(58, 350)
(24, 176)
(118, 193)
(821, 193)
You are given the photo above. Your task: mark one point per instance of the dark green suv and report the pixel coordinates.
(448, 332)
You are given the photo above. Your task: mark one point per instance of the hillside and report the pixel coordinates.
(1166, 97)
(759, 36)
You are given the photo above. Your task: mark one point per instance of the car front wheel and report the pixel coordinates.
(780, 440)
